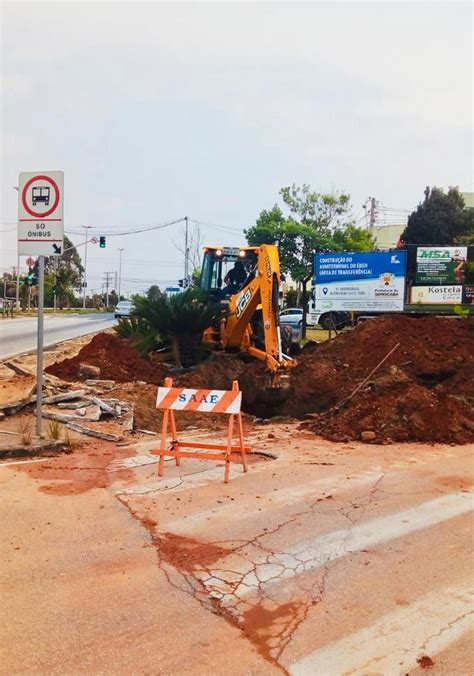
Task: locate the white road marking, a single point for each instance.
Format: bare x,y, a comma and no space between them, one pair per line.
282,495
392,645
258,569
130,463
192,480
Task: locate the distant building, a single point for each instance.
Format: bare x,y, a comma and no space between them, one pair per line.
468,198
386,236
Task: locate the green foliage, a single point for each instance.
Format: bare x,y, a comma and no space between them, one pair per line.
461,311
154,292
316,222
440,220
196,277
180,319
113,298
67,271
291,299
322,211
352,238
143,336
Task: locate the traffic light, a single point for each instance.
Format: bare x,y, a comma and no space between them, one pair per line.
102,242
183,283
32,276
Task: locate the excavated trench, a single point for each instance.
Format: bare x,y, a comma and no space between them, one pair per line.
423,392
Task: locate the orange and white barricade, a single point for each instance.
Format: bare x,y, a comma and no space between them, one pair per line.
227,402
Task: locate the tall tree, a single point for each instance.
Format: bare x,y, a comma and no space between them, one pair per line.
154,293
316,222
440,220
67,271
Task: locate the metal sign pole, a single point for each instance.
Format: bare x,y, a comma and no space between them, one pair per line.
39,355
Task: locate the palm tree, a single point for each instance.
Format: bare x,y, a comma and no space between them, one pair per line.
181,319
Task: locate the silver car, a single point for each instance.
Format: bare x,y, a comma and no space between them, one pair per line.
123,309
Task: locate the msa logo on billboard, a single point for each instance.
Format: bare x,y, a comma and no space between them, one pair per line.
439,253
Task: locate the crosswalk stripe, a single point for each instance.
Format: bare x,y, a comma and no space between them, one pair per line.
291,494
259,569
392,645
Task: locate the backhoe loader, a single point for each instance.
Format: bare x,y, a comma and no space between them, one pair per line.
247,279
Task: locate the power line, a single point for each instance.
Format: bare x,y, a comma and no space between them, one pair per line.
215,226
116,232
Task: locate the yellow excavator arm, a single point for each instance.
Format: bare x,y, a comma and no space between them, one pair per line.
252,324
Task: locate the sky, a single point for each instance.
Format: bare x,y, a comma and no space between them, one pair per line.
156,111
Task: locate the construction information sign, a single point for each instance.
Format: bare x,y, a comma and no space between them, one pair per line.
40,213
441,265
360,282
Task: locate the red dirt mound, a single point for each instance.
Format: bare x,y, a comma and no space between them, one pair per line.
115,357
423,392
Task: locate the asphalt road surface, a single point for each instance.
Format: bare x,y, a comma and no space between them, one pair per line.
18,336
331,559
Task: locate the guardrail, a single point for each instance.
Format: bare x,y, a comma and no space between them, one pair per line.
7,307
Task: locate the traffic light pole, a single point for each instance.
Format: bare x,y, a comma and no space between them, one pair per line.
39,352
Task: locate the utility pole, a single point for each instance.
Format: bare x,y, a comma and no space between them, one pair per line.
107,284
186,252
370,208
373,213
86,228
120,273
15,187
18,283
115,281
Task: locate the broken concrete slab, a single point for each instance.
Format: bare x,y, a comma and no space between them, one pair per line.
104,406
127,417
64,396
15,393
72,405
19,370
106,384
88,371
36,448
92,415
90,432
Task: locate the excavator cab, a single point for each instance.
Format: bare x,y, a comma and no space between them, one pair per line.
247,280
226,270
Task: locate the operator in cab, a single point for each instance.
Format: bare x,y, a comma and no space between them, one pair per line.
234,279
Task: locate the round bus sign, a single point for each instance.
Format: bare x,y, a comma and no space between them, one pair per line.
40,213
40,196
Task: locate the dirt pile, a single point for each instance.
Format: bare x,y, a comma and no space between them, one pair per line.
423,392
115,357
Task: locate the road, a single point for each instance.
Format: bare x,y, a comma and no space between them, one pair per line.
18,336
330,559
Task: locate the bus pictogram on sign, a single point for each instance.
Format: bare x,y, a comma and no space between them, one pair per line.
40,213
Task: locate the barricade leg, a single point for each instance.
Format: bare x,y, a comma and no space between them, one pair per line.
164,430
230,434
174,437
240,428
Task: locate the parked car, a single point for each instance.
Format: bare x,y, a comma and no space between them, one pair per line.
293,316
123,309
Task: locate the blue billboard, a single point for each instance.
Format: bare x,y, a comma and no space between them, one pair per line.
362,281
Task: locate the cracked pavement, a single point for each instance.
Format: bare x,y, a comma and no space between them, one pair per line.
330,559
